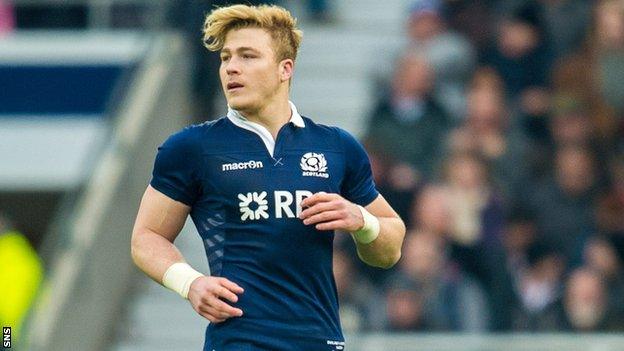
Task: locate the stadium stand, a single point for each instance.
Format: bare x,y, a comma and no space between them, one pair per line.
93,217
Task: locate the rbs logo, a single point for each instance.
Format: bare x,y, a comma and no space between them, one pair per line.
254,206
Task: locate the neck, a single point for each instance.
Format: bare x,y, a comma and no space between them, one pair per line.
272,116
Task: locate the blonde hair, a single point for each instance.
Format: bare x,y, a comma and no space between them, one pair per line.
277,21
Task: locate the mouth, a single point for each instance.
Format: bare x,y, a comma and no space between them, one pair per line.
233,86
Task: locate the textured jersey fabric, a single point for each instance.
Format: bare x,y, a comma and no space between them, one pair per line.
245,202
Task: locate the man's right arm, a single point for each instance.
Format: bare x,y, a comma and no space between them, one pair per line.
158,223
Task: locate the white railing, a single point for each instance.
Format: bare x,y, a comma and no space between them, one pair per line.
486,342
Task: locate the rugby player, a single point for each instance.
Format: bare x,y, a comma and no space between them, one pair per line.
266,188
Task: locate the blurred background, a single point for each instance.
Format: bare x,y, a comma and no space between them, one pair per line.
494,128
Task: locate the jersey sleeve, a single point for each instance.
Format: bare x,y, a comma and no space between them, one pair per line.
358,185
176,172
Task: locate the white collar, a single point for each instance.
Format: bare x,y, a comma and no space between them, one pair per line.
239,120
295,117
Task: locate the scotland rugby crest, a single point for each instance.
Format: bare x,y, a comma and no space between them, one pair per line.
314,165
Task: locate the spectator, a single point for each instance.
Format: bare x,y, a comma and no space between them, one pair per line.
475,230
353,294
601,257
609,29
431,210
475,210
570,123
563,203
473,18
488,131
586,306
450,301
519,235
451,56
610,208
594,72
404,306
402,183
522,57
397,181
539,291
408,126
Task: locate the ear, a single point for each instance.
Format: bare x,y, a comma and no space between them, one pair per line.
286,68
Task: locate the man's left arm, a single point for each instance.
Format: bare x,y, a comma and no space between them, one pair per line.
377,229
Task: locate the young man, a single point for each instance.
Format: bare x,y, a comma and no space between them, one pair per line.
266,189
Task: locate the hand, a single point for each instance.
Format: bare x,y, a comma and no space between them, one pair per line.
331,212
205,294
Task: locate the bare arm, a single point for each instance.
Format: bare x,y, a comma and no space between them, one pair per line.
158,223
385,251
333,212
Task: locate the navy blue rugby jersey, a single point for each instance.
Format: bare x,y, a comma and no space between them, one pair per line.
245,191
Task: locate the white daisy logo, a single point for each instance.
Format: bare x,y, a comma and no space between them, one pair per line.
315,165
261,206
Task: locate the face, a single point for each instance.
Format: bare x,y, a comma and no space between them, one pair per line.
466,173
517,39
574,170
518,236
413,77
585,300
485,109
424,26
404,309
431,210
610,24
571,128
601,256
548,269
423,258
251,76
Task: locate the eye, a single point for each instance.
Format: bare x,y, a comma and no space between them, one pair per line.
248,56
224,58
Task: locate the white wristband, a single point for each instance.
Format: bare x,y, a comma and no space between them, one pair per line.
370,231
179,277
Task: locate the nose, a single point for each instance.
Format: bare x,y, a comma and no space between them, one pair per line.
232,66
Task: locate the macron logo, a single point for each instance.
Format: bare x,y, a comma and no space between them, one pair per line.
241,165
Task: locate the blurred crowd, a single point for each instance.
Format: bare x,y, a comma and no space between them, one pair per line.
498,139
